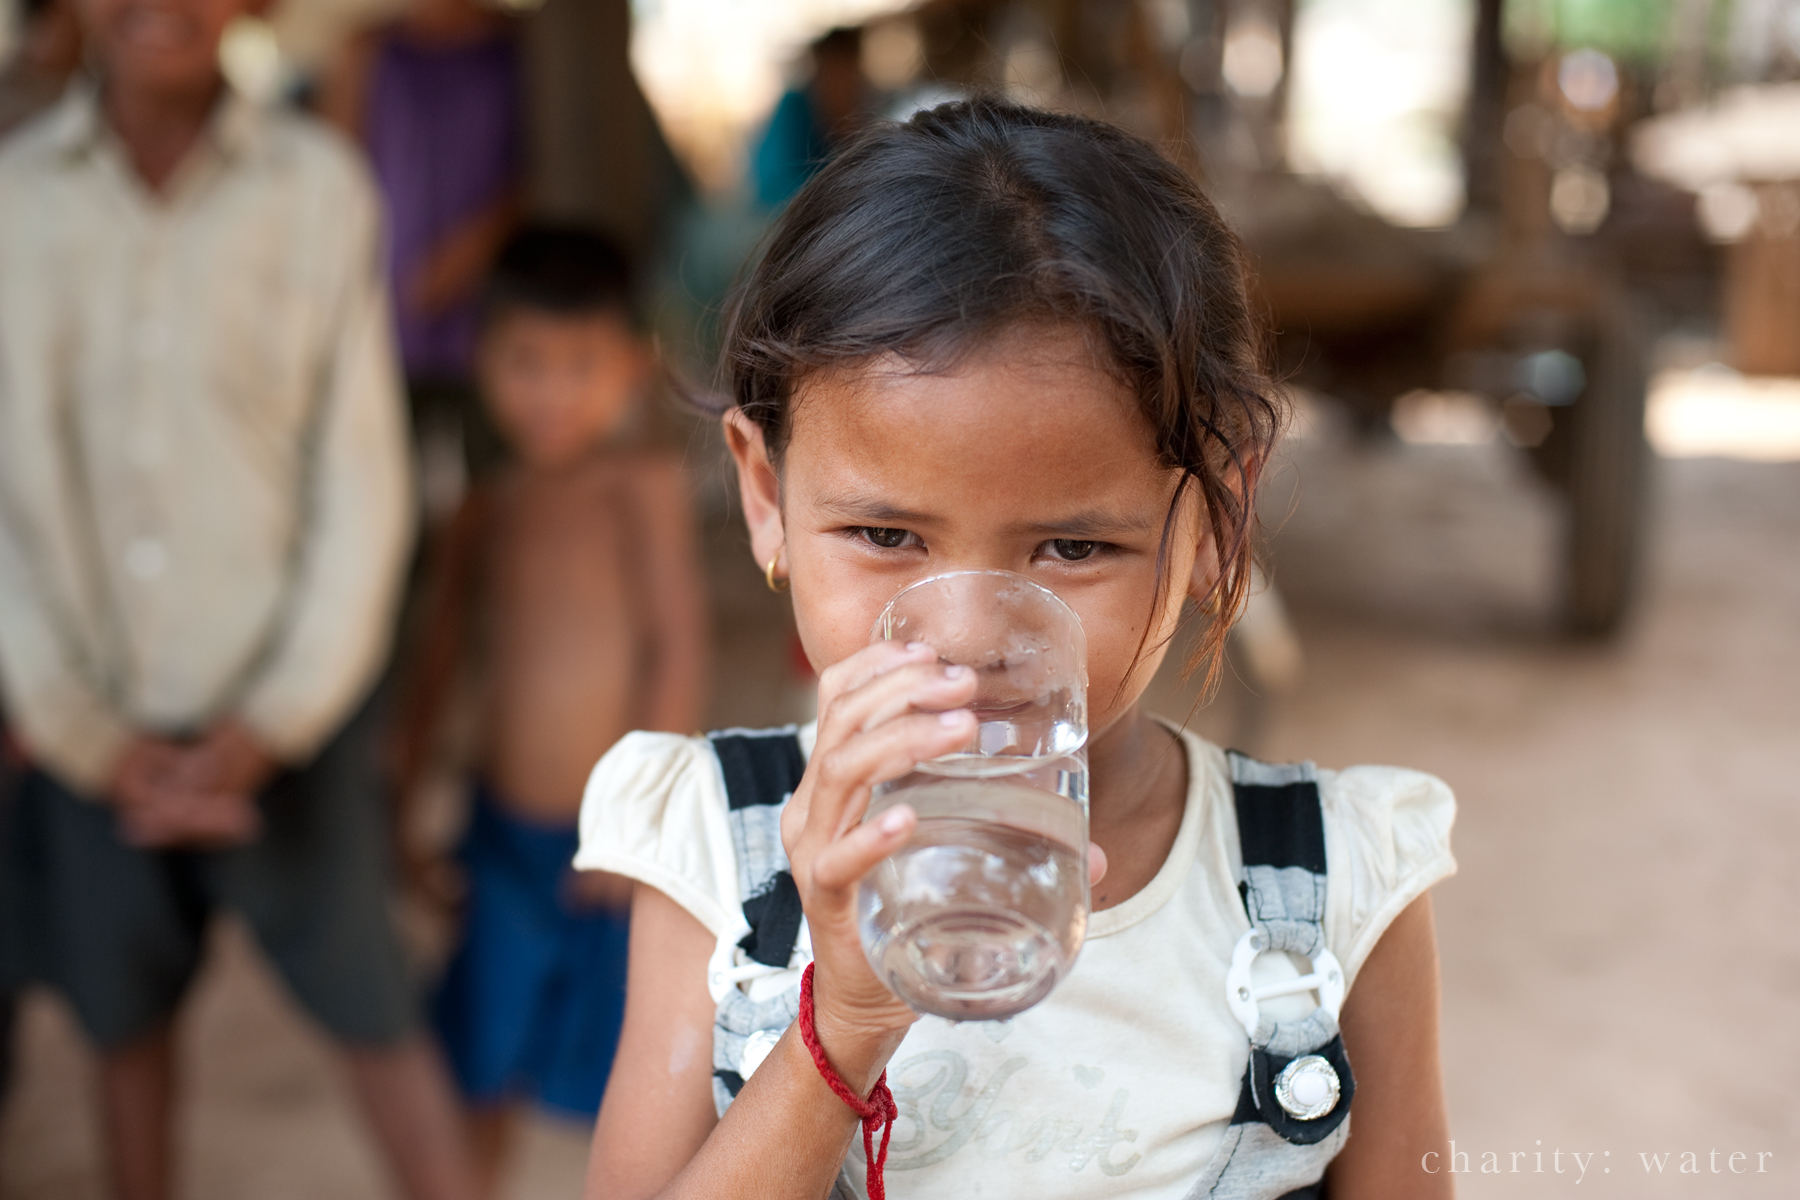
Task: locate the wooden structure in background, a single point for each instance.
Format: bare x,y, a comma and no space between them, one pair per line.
597,155
1762,285
1366,311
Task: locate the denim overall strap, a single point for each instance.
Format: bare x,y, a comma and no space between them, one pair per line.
754,974
1294,1103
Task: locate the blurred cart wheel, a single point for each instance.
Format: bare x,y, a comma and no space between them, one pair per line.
1608,475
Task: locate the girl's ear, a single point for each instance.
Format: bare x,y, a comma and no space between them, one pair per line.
759,487
1208,572
1203,576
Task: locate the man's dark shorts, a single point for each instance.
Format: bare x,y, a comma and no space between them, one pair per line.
120,931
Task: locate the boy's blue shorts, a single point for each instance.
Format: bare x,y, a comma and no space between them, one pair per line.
531,1004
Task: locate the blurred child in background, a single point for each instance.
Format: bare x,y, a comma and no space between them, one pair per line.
569,582
436,98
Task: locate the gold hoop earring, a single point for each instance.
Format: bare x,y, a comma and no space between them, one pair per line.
776,584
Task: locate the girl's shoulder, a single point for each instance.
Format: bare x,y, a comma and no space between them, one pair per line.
1387,841
655,810
1396,818
1400,818
1386,832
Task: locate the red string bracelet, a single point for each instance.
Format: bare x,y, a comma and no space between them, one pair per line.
877,1112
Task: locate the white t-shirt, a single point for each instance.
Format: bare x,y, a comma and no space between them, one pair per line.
1121,1083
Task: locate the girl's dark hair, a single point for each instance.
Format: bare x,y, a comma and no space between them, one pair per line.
926,238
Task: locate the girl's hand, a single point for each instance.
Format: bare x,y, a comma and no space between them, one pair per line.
882,711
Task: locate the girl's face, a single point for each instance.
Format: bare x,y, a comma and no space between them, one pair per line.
1029,457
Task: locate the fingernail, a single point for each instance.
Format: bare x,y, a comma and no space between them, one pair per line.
915,647
955,671
953,718
892,821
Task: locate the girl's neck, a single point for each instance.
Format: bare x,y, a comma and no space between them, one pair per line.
1137,788
1126,759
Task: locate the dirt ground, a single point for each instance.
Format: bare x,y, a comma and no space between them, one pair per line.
1619,956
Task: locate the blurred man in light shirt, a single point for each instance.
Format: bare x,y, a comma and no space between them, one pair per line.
204,518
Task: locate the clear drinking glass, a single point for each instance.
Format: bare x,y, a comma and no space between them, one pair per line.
984,908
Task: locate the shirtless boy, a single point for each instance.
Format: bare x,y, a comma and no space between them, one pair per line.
569,583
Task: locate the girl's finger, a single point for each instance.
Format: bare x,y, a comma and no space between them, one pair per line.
846,772
841,865
911,686
939,689
1096,864
877,658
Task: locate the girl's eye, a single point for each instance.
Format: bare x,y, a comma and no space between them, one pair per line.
887,539
1070,550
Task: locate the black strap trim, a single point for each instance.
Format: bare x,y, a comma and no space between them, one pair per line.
774,919
758,768
1281,825
1246,1112
1256,1096
763,769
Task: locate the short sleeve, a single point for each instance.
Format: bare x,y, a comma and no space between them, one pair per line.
655,811
1387,840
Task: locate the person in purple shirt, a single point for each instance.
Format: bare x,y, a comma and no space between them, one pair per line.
436,97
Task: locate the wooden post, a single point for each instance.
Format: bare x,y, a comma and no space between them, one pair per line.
597,155
1762,286
1484,116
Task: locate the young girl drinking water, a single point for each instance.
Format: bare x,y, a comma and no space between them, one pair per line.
995,338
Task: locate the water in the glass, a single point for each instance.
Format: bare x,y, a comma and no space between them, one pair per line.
985,907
